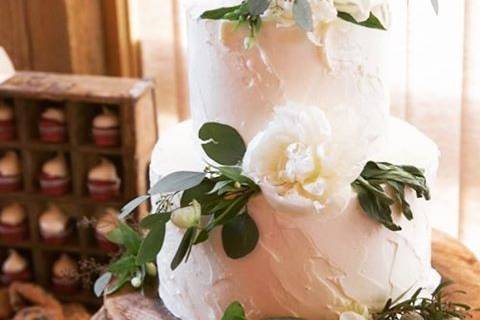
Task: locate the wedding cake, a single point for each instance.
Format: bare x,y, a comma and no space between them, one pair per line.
308,95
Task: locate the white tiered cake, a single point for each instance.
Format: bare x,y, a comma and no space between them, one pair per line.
318,254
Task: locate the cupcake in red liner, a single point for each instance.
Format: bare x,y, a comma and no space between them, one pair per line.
54,226
106,129
103,181
55,177
107,222
15,268
53,126
13,223
65,276
10,172
7,123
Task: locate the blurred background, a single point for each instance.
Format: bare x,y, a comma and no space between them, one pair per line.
435,73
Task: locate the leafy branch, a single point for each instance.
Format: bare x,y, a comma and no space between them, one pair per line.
374,198
425,308
216,197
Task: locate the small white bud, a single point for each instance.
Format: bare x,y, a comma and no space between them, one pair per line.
412,316
249,42
187,217
151,269
136,282
237,185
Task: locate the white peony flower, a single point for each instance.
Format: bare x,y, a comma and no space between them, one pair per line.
301,162
354,311
187,217
360,9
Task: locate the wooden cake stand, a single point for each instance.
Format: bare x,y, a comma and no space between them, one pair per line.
451,258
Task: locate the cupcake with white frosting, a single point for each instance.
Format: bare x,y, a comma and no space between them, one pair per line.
55,176
107,222
106,129
53,126
13,223
65,275
10,172
54,226
7,122
15,268
103,181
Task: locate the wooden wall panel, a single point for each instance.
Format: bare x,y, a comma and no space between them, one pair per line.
13,32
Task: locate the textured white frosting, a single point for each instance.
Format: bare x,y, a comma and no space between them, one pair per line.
239,87
306,264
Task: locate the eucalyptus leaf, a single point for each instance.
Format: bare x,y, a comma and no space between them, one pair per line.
152,220
126,263
436,6
239,236
183,248
257,7
130,238
177,181
222,143
234,312
220,13
118,283
372,22
200,193
302,13
152,244
132,205
101,283
115,236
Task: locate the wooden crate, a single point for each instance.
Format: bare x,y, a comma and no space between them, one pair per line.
82,97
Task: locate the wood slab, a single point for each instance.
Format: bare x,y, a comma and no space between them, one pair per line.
450,258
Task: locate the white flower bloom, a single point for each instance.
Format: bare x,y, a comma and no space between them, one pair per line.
188,216
301,163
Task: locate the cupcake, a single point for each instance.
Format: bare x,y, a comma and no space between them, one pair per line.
53,126
103,181
15,268
7,123
105,129
54,226
10,172
13,223
55,177
65,276
107,222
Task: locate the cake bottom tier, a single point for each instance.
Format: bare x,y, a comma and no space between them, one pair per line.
311,266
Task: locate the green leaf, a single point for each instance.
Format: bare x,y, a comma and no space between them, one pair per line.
183,248
115,236
234,312
152,220
101,283
222,143
177,181
118,283
201,193
436,6
234,208
302,13
126,263
220,13
132,205
257,7
239,236
130,238
372,21
152,244
235,173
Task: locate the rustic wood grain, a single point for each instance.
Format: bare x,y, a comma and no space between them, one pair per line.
451,259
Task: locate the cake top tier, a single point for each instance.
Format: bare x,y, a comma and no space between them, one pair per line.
337,66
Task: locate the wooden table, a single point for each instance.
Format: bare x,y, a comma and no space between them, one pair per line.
451,258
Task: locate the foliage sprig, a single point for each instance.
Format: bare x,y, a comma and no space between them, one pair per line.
377,201
199,202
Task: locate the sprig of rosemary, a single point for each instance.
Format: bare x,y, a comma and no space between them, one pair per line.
216,197
425,308
374,198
